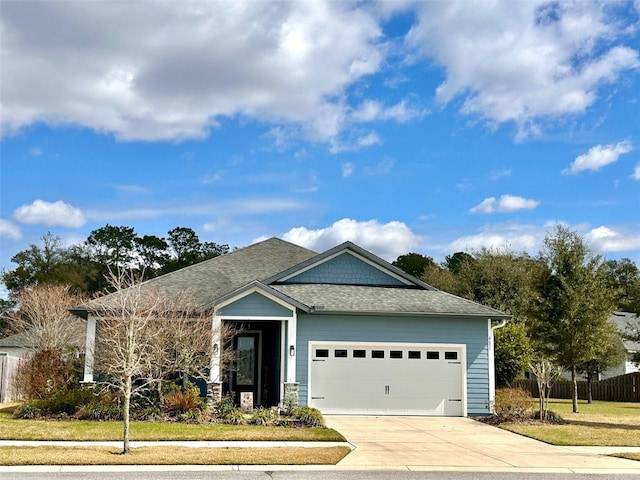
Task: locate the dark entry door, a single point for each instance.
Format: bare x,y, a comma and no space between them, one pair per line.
247,363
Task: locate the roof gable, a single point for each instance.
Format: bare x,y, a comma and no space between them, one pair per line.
348,264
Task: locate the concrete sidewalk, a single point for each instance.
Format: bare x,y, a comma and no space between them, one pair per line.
436,443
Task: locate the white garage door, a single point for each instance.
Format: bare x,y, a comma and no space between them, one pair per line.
387,378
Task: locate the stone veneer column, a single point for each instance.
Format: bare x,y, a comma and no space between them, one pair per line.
214,393
291,394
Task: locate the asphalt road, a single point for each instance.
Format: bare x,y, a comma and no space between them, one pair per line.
306,475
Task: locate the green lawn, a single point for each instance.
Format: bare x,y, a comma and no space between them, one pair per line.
597,424
83,430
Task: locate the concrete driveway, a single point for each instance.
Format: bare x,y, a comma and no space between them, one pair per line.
436,443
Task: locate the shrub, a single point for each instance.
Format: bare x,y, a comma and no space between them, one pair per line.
151,414
28,410
309,416
550,417
66,401
263,416
44,372
183,400
234,416
224,405
99,411
512,404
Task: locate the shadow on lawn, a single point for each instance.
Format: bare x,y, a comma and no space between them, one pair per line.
582,423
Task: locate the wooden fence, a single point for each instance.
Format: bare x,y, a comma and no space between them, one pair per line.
624,388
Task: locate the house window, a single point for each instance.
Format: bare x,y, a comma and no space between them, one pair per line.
433,355
340,354
359,354
450,355
322,353
414,354
377,353
395,354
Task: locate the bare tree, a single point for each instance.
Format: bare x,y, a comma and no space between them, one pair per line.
125,321
52,335
43,317
143,336
182,345
546,375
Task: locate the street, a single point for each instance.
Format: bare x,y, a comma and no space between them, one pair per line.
303,475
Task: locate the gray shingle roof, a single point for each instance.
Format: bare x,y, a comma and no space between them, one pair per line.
18,340
622,320
207,281
378,300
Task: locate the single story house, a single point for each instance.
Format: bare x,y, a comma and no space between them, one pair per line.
343,331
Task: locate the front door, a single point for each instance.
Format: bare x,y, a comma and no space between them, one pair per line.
247,366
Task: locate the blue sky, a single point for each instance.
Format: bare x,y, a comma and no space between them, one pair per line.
429,127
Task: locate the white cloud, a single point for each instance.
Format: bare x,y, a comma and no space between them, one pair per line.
372,111
50,214
381,168
369,140
347,169
512,236
170,71
388,240
598,157
9,230
522,62
606,239
636,171
506,203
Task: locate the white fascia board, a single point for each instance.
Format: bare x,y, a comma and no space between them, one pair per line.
261,291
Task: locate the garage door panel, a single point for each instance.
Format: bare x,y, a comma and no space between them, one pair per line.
412,379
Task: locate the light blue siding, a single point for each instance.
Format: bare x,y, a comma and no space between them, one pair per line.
470,332
345,269
255,305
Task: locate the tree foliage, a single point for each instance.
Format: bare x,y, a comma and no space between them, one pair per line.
572,304
414,264
85,266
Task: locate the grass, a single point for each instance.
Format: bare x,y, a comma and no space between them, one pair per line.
597,424
84,430
171,456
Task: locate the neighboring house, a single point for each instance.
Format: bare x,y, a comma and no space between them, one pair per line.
622,320
12,348
15,347
344,331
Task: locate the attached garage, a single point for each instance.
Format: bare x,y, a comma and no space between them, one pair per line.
387,378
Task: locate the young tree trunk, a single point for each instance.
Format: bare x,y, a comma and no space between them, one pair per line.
574,380
589,393
125,414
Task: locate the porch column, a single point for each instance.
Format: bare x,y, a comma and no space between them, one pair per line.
214,386
290,398
292,332
89,347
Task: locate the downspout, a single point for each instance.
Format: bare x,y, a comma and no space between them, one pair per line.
492,365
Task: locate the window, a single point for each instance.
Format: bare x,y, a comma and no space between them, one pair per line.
414,354
377,353
359,354
450,355
395,354
322,353
433,355
340,354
